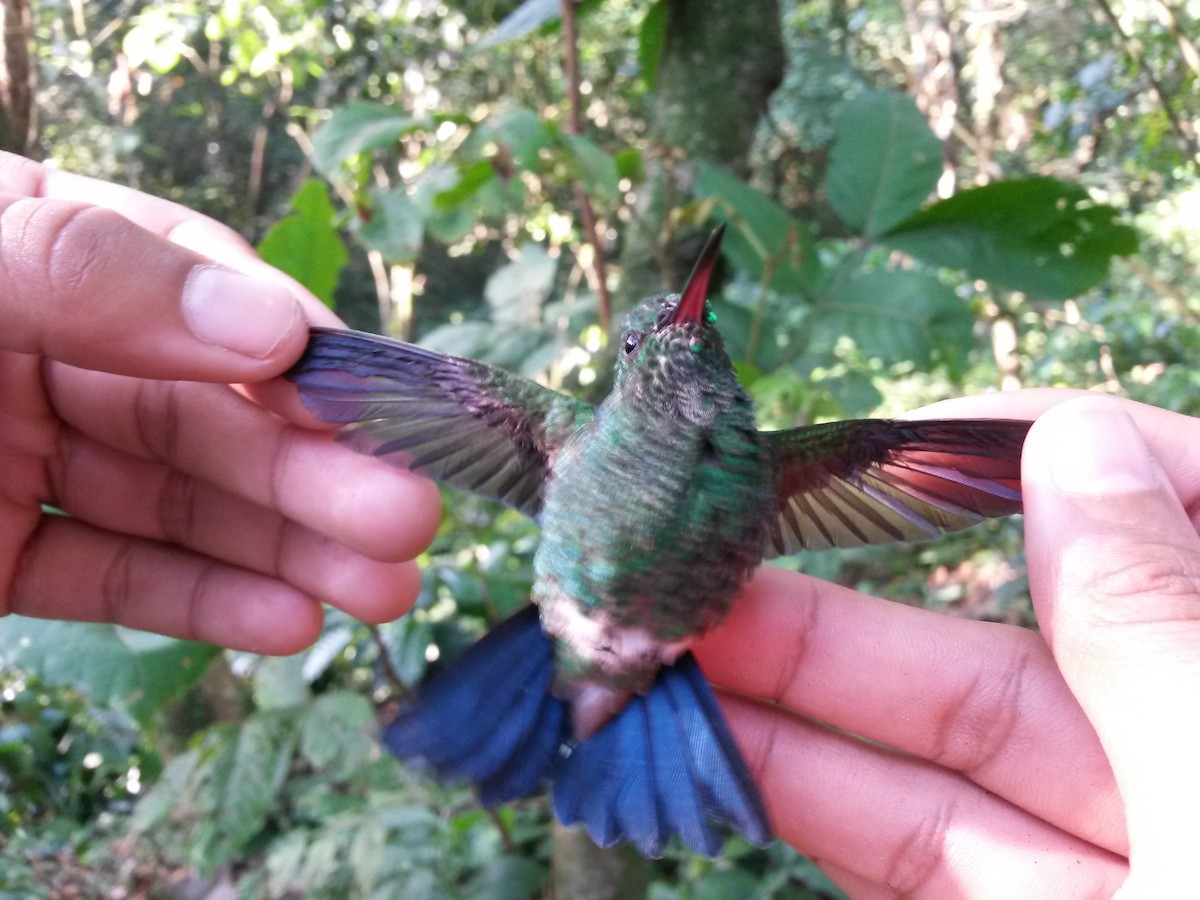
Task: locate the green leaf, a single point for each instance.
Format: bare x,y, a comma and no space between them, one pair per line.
594,168
528,17
894,316
631,165
279,682
239,783
359,127
134,671
333,733
508,878
520,134
884,161
470,179
1039,235
395,227
305,243
764,235
651,36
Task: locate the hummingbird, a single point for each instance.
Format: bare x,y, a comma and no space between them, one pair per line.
655,506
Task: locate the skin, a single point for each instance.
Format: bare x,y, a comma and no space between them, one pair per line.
1052,764
195,512
1059,764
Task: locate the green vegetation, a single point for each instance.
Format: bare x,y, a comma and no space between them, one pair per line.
924,206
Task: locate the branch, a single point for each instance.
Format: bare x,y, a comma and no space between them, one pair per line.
587,215
1133,48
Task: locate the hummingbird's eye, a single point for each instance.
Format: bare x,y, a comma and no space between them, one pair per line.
633,340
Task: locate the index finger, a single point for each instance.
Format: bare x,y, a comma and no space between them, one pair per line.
178,224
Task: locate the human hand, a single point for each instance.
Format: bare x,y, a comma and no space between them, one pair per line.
1059,764
193,511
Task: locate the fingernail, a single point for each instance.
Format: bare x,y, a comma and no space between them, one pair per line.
243,314
1099,450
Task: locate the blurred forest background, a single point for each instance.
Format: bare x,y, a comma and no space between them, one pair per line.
925,198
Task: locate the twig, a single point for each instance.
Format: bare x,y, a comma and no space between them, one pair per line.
510,846
1133,48
587,215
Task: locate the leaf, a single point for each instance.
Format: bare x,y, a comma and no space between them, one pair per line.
764,236
508,878
1039,235
305,244
395,227
528,17
894,316
631,165
333,733
359,127
884,161
239,783
520,134
134,671
594,168
652,35
279,682
516,291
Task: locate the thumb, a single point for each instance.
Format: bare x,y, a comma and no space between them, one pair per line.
86,286
1114,568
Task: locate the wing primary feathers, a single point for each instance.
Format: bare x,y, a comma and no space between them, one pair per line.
875,480
459,421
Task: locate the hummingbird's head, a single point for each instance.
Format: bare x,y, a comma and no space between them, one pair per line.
670,346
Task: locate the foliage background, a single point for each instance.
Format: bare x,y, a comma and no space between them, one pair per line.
499,182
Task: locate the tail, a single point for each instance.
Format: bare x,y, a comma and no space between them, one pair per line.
665,765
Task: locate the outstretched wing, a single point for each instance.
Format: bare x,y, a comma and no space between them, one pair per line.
461,422
875,481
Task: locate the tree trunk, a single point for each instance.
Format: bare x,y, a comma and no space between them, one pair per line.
16,77
721,60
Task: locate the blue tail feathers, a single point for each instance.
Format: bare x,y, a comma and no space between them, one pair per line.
665,765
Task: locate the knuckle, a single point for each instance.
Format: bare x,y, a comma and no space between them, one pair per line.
1162,570
974,727
920,852
116,582
158,419
56,245
177,508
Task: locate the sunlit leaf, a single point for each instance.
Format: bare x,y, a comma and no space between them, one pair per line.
1039,235
305,243
884,161
334,732
764,237
134,671
651,36
894,316
359,127
395,227
594,168
528,17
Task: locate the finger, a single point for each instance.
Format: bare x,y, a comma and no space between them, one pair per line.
214,434
903,824
979,698
76,572
1114,565
180,225
66,292
122,494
